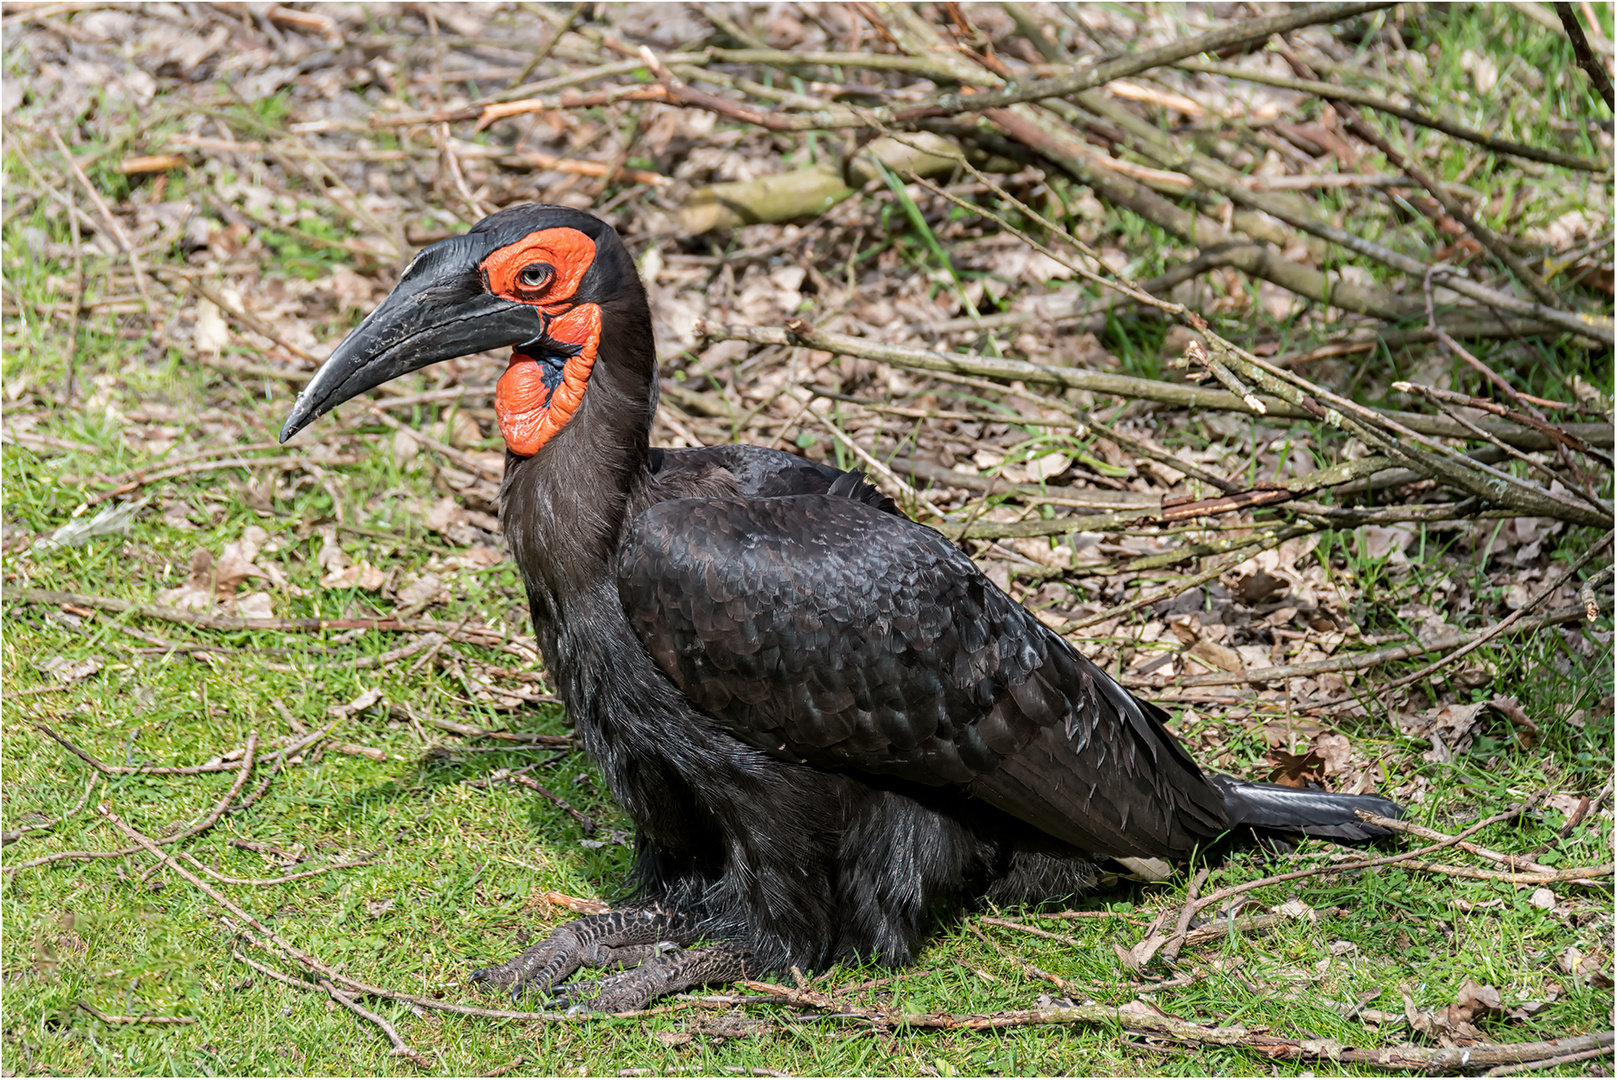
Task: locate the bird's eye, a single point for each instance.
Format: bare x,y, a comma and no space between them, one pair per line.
534,275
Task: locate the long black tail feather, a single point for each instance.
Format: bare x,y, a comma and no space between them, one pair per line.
1304,810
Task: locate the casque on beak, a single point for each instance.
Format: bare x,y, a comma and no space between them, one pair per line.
441,309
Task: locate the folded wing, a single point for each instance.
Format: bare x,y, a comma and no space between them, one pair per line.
822,630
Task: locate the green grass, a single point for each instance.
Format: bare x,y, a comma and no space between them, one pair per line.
462,870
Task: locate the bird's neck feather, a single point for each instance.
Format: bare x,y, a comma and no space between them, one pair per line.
564,508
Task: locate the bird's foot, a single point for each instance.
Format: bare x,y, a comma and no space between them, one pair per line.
614,939
667,973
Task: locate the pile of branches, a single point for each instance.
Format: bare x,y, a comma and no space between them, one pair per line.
964,117
947,107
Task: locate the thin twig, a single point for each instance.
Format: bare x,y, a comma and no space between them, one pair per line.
1394,1058
1048,935
78,304
1537,423
1586,875
895,485
1380,104
400,1047
260,882
1264,541
1572,822
1170,950
218,765
248,759
1504,624
246,319
472,635
1352,662
1219,178
1550,1062
1580,48
198,468
544,51
1387,433
1510,862
1363,864
1537,466
263,786
1242,32
218,897
585,822
1485,236
1037,972
464,460
1191,397
144,1018
115,230
1533,419
16,834
186,459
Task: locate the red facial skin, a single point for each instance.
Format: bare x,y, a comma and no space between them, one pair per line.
529,412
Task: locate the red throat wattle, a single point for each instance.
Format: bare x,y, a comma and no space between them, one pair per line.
529,412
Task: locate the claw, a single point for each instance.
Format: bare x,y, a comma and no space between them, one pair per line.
635,942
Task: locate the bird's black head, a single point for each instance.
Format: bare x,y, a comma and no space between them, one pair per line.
531,277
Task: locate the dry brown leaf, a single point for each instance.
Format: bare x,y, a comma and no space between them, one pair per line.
1381,542
460,431
235,563
361,575
256,605
576,903
1593,967
177,515
1526,730
331,556
1219,656
1296,909
197,592
424,588
1335,751
212,333
354,292
1294,770
1567,804
1049,465
1450,728
1475,1001
1260,586
70,671
405,447
479,555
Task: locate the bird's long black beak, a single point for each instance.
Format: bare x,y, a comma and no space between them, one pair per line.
440,309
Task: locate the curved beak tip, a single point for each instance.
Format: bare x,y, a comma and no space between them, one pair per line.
296,420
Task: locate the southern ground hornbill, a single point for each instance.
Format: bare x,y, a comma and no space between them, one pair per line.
829,727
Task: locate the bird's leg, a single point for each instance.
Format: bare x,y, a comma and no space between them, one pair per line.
669,973
613,939
625,956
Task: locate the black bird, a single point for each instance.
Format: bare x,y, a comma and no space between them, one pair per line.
829,727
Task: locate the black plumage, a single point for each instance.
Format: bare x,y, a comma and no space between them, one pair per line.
829,728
